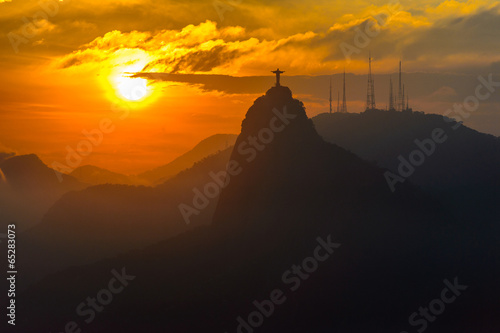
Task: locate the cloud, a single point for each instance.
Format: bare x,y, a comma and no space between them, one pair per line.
467,39
444,93
220,83
444,37
193,49
304,41
441,87
450,8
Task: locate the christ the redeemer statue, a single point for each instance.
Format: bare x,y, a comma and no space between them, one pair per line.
277,72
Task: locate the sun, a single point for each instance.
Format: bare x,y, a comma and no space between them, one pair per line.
123,87
122,82
132,89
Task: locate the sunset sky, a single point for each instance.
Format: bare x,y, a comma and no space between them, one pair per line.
81,61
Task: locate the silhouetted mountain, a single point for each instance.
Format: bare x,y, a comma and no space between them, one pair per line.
98,176
291,195
5,155
29,172
103,221
203,149
32,187
463,171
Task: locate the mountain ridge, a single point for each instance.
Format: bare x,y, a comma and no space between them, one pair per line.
28,182
204,148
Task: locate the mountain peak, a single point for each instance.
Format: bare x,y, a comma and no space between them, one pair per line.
276,118
29,171
21,163
279,92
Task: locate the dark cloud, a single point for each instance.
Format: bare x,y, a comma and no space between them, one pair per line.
451,87
222,83
473,34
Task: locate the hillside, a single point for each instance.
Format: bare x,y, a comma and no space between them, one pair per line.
462,171
98,176
30,189
206,147
105,220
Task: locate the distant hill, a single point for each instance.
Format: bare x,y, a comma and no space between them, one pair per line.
463,171
28,172
30,188
290,195
97,176
105,220
203,149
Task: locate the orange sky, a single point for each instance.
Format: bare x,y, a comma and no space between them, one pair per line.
70,70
